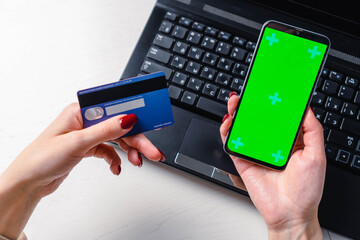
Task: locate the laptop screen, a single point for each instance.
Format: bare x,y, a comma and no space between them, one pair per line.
339,15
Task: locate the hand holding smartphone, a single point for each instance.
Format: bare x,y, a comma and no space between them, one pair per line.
277,91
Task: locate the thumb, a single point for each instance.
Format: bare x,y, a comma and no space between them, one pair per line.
110,129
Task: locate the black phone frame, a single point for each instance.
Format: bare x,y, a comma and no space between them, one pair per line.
296,31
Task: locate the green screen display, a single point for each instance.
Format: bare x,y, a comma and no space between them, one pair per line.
279,86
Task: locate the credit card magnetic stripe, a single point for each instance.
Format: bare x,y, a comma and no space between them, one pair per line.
121,89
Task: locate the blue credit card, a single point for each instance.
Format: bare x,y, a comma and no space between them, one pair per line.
146,96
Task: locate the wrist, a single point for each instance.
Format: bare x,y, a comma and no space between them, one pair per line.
301,229
17,201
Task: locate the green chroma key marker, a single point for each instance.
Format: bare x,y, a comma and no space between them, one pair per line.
314,52
275,97
277,156
237,143
272,39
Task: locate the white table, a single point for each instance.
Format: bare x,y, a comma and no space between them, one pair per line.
48,51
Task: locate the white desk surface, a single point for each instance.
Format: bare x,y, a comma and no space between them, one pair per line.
48,51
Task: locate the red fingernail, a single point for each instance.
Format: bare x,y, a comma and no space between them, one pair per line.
128,121
163,157
232,94
140,160
119,170
225,117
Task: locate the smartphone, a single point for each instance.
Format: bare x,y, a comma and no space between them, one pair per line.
277,91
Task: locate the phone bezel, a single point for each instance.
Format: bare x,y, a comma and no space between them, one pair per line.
296,31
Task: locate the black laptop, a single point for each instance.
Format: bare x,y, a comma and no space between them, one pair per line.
205,47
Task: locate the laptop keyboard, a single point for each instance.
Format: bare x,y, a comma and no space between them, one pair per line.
204,64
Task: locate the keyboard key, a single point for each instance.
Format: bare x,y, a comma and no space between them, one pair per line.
210,58
210,89
318,98
180,47
330,151
151,67
211,106
319,83
223,48
346,92
194,37
356,161
325,131
238,53
350,126
208,73
193,67
358,146
174,92
239,41
336,76
223,78
188,98
357,97
343,156
330,87
325,72
249,58
240,69
195,53
179,32
211,31
180,78
171,16
178,62
195,84
198,26
352,82
341,138
237,84
159,55
224,36
225,64
250,45
163,41
185,21
208,42
319,113
333,104
223,95
349,109
166,27
332,119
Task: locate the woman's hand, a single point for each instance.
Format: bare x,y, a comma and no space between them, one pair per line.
287,200
46,162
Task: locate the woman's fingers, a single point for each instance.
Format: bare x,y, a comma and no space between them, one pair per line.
313,131
313,137
139,143
105,131
232,104
109,154
135,157
224,128
143,145
227,120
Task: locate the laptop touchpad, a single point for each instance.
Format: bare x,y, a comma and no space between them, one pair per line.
202,142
